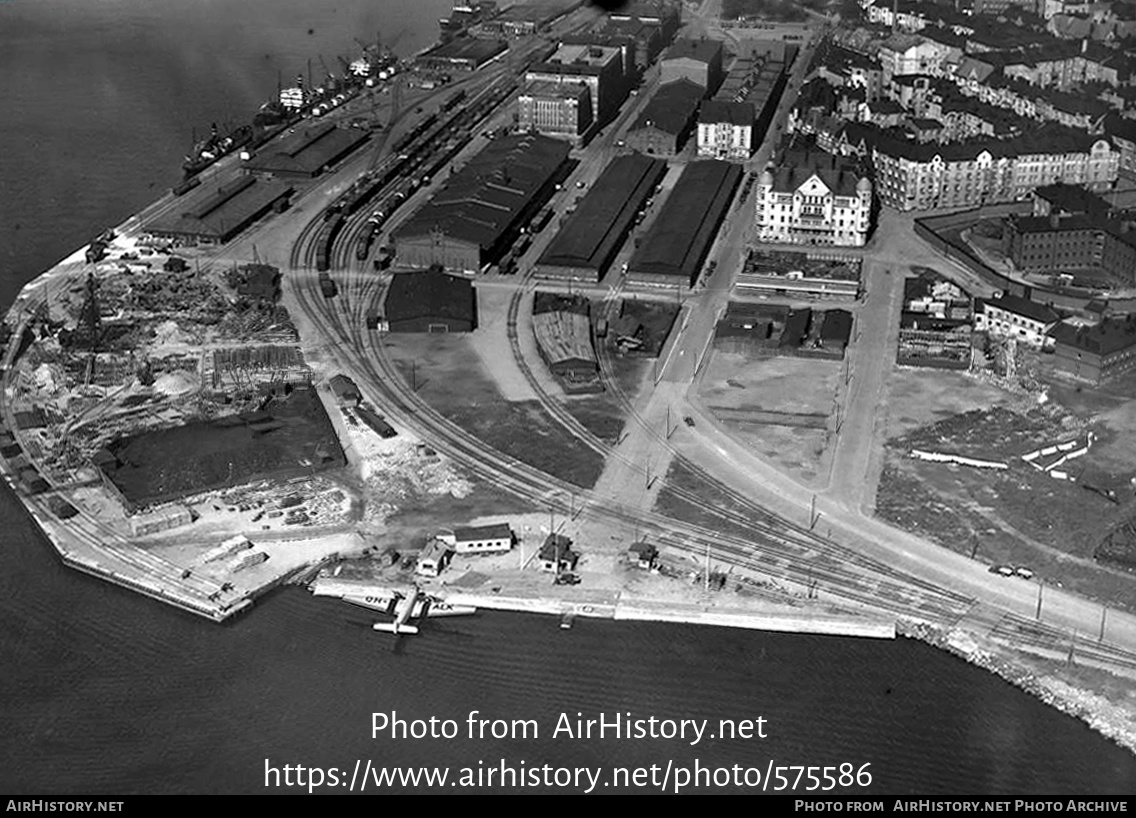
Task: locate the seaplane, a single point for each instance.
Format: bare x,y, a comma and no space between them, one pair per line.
404,606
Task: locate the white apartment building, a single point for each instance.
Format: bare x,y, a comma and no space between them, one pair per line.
814,200
725,130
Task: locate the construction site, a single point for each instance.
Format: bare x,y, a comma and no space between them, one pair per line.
159,406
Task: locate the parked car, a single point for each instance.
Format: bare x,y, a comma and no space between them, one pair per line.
567,579
1023,572
688,420
1002,570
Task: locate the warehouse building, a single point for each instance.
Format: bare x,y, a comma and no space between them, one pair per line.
699,61
215,213
462,54
667,121
589,241
524,19
307,152
564,340
431,301
674,249
471,221
556,109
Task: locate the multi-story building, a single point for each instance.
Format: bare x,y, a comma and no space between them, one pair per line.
725,130
699,61
1098,353
1012,316
1122,132
556,109
1058,243
914,176
600,67
914,54
814,199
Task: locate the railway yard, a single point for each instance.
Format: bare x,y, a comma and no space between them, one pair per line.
205,420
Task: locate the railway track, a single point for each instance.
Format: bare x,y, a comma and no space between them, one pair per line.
381,376
792,542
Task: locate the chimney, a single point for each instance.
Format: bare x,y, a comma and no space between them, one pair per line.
1054,219
1084,45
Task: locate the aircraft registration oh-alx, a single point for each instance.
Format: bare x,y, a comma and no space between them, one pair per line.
404,606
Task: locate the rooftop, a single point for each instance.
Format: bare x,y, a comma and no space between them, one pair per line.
671,108
564,336
684,229
701,50
1024,307
1111,335
589,236
736,113
221,210
497,531
430,294
481,201
839,176
306,151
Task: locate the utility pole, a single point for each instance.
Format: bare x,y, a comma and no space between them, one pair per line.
706,574
812,511
974,550
1037,615
1104,615
414,375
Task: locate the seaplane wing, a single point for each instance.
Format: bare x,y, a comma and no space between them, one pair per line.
376,602
439,608
415,606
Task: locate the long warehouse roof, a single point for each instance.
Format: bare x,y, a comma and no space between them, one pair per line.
588,237
686,226
480,202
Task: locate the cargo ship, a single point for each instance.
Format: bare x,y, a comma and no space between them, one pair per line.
214,146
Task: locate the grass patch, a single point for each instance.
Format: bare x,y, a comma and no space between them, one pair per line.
450,377
601,416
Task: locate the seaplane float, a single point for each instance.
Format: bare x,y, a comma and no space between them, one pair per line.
407,605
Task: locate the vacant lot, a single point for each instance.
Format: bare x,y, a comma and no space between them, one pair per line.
449,376
917,397
1019,515
781,10
779,407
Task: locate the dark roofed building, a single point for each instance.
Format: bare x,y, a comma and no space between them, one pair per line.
1062,198
1096,354
307,152
462,54
217,212
836,330
588,242
556,555
699,61
431,302
476,215
673,251
345,390
667,120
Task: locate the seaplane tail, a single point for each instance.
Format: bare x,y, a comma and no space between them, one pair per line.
395,628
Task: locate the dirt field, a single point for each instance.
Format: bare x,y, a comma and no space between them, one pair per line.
1020,515
779,407
450,377
920,396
